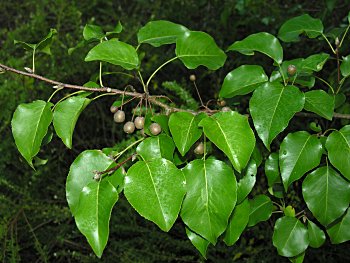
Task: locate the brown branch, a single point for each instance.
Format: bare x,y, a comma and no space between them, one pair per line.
115,168
313,115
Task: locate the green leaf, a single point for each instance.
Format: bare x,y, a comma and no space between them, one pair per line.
237,223
320,102
326,194
231,133
272,106
242,80
65,117
81,173
260,209
316,235
314,62
290,236
156,189
293,28
114,52
162,120
299,153
184,129
161,32
345,66
338,147
118,28
272,171
247,182
297,259
339,232
195,48
30,123
210,199
93,32
95,207
157,147
200,243
261,42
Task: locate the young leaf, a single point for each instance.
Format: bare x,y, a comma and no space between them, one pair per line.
272,170
320,102
114,52
261,42
272,106
345,66
339,232
95,207
316,235
156,189
210,199
326,194
338,147
299,153
231,133
195,48
30,123
290,236
161,32
247,182
237,223
157,147
65,117
242,80
292,28
199,242
93,32
184,129
260,209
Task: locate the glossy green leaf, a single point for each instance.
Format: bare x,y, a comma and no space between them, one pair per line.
92,217
93,32
340,232
196,48
261,42
314,62
65,117
299,153
156,189
293,28
242,80
200,243
272,170
289,211
247,182
338,147
30,123
272,106
81,173
320,102
257,155
316,235
237,223
114,52
157,147
161,32
210,199
184,129
326,194
260,209
231,133
345,66
290,236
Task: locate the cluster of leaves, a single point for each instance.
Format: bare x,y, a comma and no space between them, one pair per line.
210,196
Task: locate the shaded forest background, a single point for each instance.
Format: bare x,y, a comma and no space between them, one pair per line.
35,222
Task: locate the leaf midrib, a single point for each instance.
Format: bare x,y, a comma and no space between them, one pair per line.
36,130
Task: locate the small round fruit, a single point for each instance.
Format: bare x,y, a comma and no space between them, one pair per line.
113,109
139,122
199,148
226,109
119,116
155,128
192,77
291,70
129,127
221,103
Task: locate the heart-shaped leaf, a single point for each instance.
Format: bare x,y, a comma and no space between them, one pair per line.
30,123
272,106
196,48
155,189
316,235
247,182
260,209
272,170
293,28
339,232
157,147
242,80
231,133
114,52
345,66
320,102
326,194
299,153
200,243
261,42
210,199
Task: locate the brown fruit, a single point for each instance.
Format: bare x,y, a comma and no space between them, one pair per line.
193,77
113,109
155,128
291,70
119,116
221,103
129,127
139,122
199,148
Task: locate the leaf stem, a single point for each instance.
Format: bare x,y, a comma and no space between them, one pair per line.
329,44
100,75
33,60
165,63
145,88
342,39
53,94
102,95
325,82
127,148
284,79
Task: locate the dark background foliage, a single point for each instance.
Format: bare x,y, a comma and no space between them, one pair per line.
35,222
